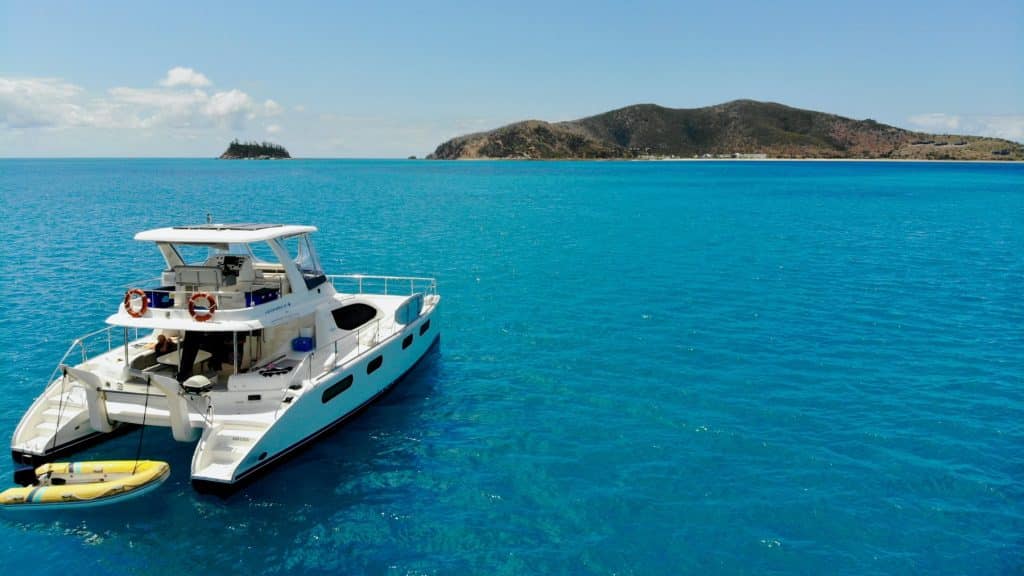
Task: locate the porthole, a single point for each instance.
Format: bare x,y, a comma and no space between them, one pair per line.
374,364
336,388
407,342
424,327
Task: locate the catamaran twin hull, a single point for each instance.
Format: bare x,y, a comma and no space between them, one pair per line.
251,356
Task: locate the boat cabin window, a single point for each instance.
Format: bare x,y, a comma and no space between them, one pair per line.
231,267
300,248
193,254
353,316
259,252
374,364
335,389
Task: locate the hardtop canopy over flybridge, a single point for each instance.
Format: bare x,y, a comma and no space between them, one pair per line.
242,339
240,266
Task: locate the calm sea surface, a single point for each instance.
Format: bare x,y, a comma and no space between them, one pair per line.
645,368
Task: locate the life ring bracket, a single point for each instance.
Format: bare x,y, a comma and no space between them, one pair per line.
210,304
130,308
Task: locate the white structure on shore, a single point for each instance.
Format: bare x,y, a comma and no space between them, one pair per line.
734,155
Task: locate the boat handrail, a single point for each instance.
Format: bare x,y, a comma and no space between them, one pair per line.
112,334
414,281
155,280
161,297
226,299
330,349
364,282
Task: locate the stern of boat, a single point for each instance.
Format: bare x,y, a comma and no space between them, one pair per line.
57,422
222,450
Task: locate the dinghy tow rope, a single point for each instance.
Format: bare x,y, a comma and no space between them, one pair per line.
142,432
60,406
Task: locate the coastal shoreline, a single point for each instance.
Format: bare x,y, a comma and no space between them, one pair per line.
900,160
738,160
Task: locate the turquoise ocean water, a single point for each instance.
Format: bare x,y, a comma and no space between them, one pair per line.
645,368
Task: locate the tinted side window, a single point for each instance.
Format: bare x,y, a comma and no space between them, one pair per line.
425,327
335,389
353,316
407,342
374,364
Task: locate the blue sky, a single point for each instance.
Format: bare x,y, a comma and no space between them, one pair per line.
390,79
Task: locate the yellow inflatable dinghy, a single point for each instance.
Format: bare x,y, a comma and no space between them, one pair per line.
82,484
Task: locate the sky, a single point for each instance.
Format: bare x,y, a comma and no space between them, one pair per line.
393,79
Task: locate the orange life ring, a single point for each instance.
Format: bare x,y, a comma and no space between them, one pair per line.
211,306
128,302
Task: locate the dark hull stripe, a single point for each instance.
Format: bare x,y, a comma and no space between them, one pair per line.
70,447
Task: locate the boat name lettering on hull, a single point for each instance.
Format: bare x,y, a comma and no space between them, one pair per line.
278,308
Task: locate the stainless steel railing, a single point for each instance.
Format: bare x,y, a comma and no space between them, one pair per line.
388,285
328,357
92,345
234,299
365,338
158,296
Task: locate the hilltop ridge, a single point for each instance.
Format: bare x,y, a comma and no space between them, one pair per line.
739,127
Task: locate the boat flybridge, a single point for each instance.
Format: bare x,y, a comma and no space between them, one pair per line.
242,343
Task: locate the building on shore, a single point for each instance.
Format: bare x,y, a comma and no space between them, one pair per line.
734,155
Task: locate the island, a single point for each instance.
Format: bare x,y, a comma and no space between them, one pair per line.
746,129
254,151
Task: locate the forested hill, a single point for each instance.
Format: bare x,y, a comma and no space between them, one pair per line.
254,150
740,127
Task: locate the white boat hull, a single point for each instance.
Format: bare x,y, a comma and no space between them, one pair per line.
233,446
310,418
252,351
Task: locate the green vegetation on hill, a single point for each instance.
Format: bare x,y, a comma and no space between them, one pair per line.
738,127
258,150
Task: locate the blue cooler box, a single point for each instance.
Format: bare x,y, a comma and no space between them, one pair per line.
302,344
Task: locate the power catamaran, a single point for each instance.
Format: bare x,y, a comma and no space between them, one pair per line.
242,343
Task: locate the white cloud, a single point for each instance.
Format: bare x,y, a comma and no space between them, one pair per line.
935,121
54,104
273,128
157,97
271,108
230,103
1009,126
153,107
180,76
40,102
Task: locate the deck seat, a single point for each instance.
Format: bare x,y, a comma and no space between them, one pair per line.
144,360
192,278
